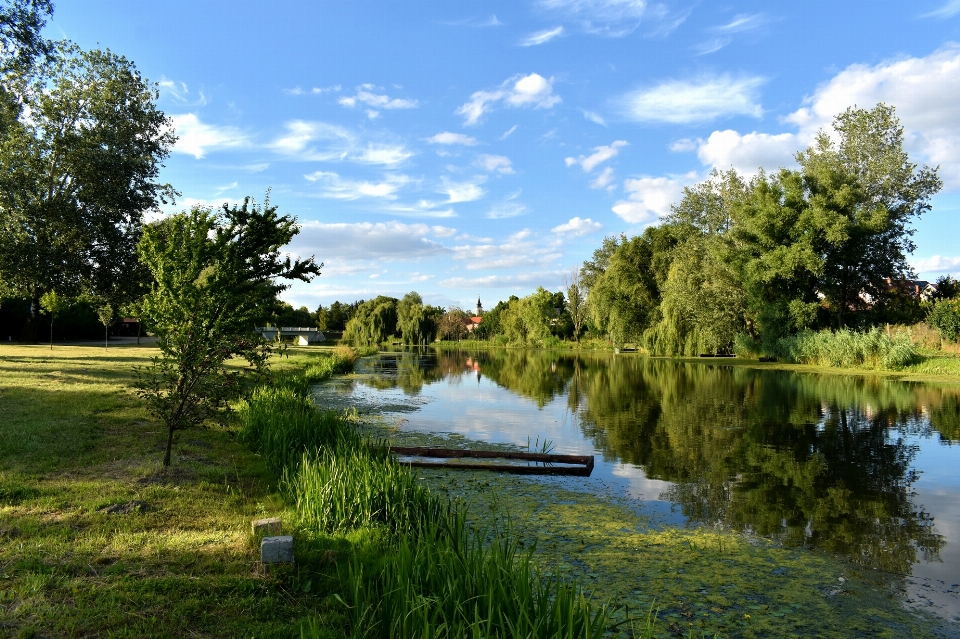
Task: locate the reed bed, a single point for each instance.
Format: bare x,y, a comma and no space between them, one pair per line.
849,349
435,577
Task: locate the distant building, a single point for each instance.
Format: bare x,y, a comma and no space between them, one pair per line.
479,307
917,289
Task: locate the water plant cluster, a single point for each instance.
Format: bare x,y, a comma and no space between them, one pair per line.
431,574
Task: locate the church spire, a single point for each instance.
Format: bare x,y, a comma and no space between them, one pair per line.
479,307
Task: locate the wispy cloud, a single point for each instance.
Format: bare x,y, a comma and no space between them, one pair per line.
712,45
366,96
519,91
179,92
594,117
948,10
604,179
699,100
197,138
495,163
366,241
521,249
335,187
937,264
462,191
508,132
322,142
452,138
742,22
576,227
314,91
604,17
504,210
600,155
541,37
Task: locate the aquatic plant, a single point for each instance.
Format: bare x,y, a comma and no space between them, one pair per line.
849,349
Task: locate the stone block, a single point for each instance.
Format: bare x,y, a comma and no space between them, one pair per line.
277,550
266,527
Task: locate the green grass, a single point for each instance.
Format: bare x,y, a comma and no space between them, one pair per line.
75,441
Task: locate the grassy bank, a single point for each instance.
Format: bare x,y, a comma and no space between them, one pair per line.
97,539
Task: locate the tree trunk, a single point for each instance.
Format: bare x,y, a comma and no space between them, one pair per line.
51,332
166,456
106,336
139,326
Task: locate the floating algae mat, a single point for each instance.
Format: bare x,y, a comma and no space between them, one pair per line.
742,502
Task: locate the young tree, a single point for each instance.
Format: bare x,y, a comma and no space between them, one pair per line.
576,301
453,324
105,313
79,161
53,305
213,275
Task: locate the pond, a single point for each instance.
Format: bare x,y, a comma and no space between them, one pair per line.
863,468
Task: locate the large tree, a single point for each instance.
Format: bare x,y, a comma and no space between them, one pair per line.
79,164
213,275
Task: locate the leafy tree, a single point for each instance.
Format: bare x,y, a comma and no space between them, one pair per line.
592,269
105,314
945,317
78,168
213,273
576,302
418,324
491,324
865,193
53,305
625,297
453,324
947,288
20,40
375,320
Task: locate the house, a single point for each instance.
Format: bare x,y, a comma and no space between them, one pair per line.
917,289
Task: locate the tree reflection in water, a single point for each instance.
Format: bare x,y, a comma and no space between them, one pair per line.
813,460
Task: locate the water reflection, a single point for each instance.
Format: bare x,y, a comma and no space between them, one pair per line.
813,460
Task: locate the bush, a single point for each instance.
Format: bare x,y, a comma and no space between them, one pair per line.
945,317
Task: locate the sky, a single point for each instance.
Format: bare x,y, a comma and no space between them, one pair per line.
482,149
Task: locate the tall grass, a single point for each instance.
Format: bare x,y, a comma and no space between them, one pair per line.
436,578
849,349
452,583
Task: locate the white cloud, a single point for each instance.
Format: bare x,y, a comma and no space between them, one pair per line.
499,163
521,281
505,210
649,198
376,100
322,142
700,100
462,191
948,10
603,180
180,93
314,91
613,18
594,117
387,154
746,153
366,241
197,139
519,91
452,138
711,46
335,187
541,37
521,249
925,91
509,132
742,22
683,145
577,227
600,155
936,264
443,231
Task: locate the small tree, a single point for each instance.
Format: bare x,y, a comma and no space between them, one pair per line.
453,324
213,275
105,313
53,305
576,302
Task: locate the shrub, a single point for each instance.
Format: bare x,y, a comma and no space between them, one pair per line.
945,317
849,349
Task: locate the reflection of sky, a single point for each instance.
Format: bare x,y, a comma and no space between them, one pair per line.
936,585
479,409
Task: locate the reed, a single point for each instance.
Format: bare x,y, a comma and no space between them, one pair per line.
453,581
849,349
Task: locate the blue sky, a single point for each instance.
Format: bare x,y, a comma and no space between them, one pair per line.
465,149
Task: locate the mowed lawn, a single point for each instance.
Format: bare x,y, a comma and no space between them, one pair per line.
97,539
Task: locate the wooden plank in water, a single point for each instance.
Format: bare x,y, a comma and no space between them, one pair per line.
582,465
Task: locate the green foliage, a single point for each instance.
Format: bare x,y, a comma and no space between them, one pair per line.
416,323
849,349
374,321
624,299
213,273
20,40
78,169
947,288
945,317
453,324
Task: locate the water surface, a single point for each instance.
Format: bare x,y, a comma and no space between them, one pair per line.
864,468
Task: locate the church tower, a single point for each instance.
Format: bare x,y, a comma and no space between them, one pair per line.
479,307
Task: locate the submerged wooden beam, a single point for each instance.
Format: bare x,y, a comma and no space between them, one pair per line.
581,465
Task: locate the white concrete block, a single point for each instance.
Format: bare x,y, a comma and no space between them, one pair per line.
266,527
